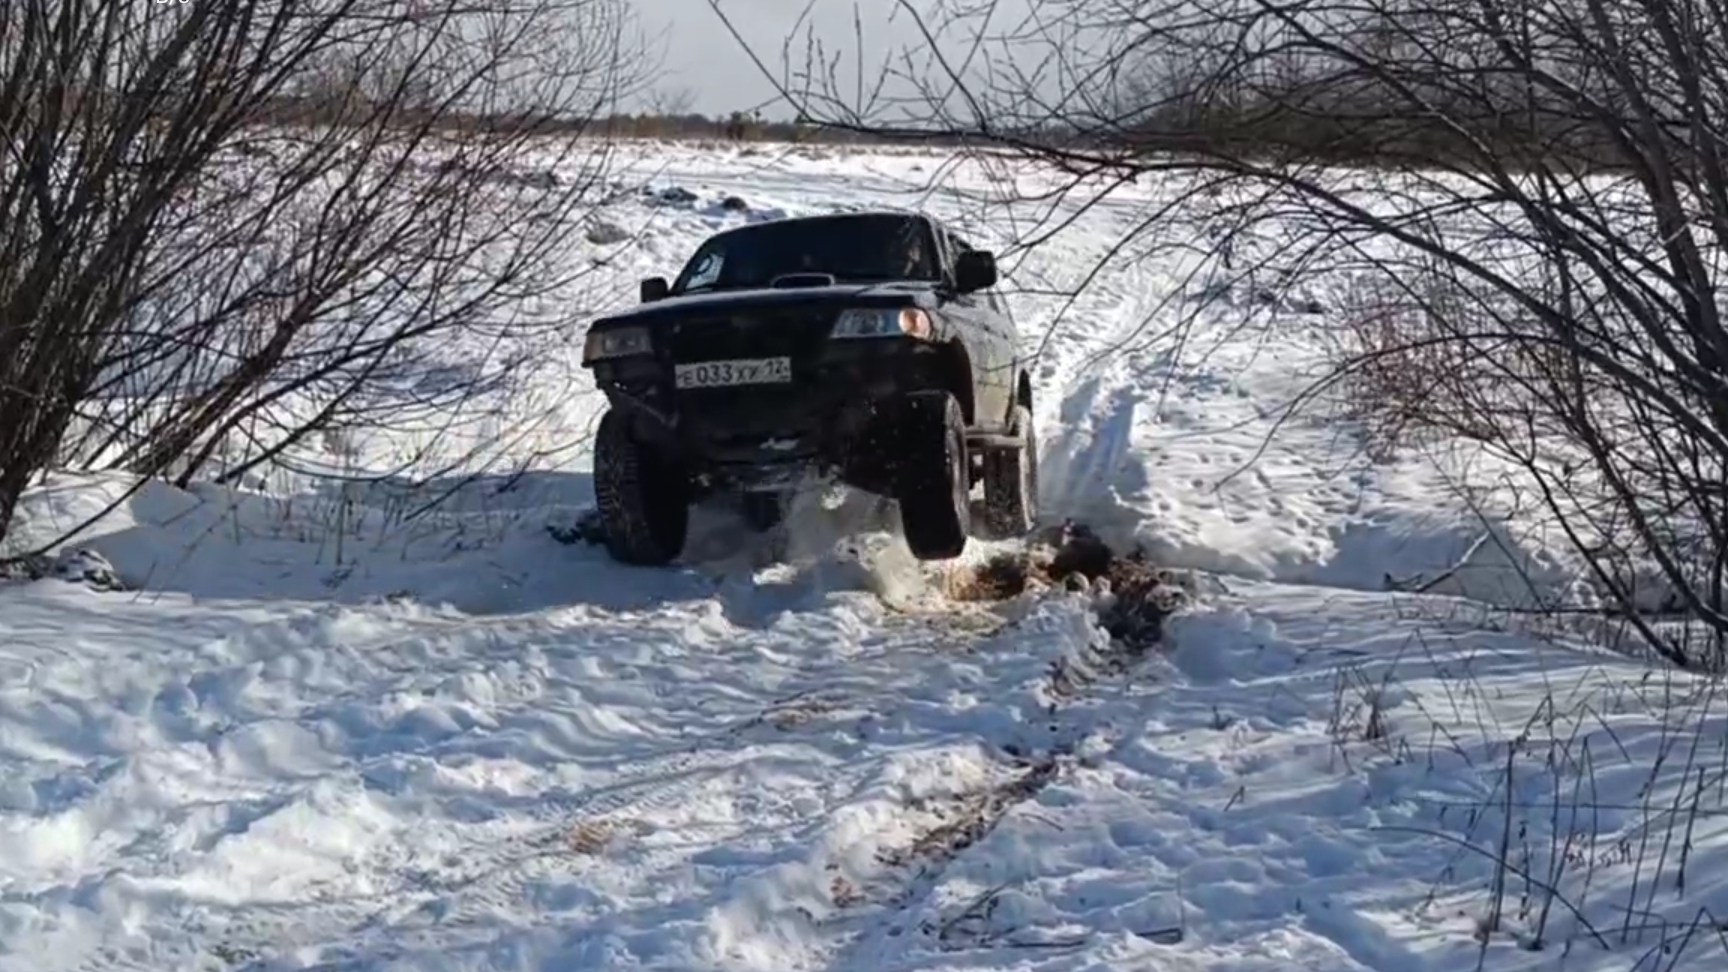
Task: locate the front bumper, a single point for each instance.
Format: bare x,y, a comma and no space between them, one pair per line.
836,404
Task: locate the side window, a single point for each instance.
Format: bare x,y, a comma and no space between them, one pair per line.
705,272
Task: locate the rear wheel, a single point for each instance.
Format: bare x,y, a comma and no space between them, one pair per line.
934,476
644,497
1011,482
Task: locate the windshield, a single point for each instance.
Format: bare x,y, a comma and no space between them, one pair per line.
877,246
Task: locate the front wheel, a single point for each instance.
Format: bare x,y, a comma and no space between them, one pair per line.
1011,482
934,476
644,497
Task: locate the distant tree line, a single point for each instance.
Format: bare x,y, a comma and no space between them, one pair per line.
1268,109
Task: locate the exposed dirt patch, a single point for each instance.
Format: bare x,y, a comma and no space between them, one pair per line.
1132,595
998,579
595,837
969,818
947,826
798,710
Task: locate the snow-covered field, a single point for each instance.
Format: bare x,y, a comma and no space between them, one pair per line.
403,727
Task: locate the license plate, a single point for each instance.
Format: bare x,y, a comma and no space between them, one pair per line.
725,374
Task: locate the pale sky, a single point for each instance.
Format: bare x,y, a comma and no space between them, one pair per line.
703,58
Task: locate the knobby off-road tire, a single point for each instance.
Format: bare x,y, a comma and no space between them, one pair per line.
934,476
1011,483
643,497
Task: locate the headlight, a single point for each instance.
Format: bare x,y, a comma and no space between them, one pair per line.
898,322
616,342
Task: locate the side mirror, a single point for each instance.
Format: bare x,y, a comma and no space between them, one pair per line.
655,288
975,271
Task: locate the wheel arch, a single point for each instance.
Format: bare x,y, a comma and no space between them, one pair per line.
956,375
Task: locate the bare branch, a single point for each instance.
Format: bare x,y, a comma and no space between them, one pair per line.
1522,207
228,228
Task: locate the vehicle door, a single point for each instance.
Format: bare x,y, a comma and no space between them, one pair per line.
990,341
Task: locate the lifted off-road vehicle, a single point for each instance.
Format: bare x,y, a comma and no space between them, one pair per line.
867,347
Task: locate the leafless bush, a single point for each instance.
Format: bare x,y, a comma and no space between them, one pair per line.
226,228
1536,206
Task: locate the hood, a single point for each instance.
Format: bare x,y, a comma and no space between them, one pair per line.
889,293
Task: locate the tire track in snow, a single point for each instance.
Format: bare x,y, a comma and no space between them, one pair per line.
904,912
1101,390
673,809
1084,464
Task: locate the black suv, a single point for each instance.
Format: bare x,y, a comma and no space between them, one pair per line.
871,347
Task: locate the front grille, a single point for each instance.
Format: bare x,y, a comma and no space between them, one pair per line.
746,412
798,334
